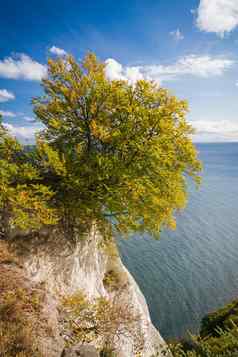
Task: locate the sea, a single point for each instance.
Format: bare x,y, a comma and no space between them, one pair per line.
193,270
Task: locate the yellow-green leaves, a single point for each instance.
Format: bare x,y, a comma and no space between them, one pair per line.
120,153
30,207
24,204
51,158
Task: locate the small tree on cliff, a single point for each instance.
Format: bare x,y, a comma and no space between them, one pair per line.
114,153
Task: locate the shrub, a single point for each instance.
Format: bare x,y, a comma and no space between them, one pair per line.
224,345
221,318
112,280
102,321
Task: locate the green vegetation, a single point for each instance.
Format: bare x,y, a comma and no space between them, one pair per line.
111,153
24,200
102,321
224,319
218,336
112,280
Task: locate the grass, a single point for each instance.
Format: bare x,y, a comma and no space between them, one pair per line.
19,310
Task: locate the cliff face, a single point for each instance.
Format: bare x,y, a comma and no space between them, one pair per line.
88,266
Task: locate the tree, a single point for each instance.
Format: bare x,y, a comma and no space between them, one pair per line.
24,201
114,153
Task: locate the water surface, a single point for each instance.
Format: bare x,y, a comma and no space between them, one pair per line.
193,270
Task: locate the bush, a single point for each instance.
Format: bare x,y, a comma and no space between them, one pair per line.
112,280
225,344
222,318
102,321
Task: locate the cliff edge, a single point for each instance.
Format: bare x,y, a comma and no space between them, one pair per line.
63,270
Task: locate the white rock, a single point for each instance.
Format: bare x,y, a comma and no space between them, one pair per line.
67,268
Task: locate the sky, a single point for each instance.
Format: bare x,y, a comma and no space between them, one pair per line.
187,46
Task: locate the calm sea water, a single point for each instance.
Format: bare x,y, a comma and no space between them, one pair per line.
193,270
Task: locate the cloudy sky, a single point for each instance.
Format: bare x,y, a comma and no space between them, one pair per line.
188,46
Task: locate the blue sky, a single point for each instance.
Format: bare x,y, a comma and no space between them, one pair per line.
188,46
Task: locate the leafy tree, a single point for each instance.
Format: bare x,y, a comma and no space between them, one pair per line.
24,201
116,154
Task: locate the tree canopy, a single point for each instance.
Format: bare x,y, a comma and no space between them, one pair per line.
113,153
121,152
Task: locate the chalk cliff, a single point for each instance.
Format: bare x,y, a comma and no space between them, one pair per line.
64,268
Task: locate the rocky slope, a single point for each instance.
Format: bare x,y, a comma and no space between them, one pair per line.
93,267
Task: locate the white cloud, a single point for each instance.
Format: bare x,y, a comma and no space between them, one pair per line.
29,119
216,130
7,114
114,70
5,95
25,134
24,67
201,66
57,51
193,65
218,16
177,35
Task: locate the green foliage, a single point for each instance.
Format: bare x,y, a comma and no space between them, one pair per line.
223,318
117,155
218,336
24,200
111,154
225,345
